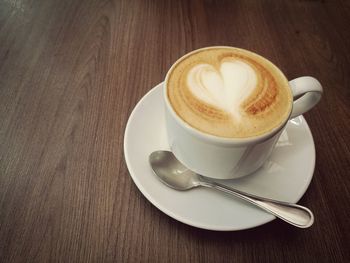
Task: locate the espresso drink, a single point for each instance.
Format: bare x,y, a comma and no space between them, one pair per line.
229,92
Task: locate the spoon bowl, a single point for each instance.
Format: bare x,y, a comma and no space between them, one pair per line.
171,172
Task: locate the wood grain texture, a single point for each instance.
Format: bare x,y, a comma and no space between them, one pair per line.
71,73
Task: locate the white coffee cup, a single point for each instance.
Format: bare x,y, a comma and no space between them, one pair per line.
229,158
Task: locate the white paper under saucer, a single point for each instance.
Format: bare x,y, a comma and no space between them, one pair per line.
286,176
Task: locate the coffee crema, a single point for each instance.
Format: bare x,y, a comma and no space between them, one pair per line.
229,92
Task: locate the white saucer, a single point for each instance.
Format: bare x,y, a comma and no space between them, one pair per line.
286,176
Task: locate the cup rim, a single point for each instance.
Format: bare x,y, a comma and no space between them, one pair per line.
214,138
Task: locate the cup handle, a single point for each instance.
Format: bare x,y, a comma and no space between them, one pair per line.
307,92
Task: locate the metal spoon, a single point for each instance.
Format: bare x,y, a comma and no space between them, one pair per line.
175,175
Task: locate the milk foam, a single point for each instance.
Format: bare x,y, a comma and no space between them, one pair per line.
228,92
225,88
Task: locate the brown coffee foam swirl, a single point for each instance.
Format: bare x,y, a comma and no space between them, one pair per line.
266,107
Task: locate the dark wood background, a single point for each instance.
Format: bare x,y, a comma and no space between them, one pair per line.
71,73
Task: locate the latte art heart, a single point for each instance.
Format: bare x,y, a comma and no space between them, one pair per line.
228,92
225,88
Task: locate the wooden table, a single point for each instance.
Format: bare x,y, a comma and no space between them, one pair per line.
71,73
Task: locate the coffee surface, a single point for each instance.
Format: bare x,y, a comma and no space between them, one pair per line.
229,92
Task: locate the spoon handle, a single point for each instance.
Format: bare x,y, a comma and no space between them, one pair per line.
293,214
